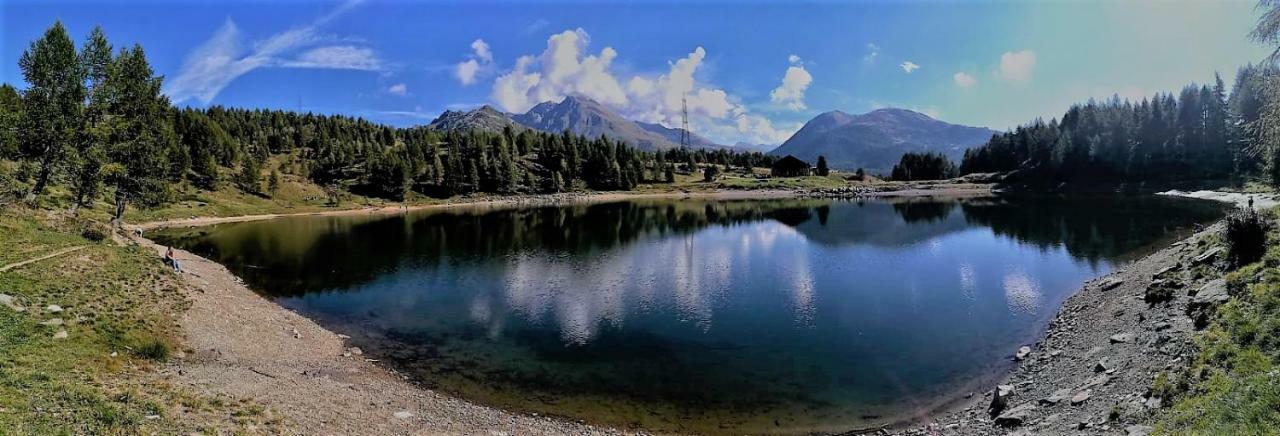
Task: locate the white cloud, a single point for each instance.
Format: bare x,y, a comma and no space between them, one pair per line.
964,80
480,63
1017,66
565,67
221,60
398,89
340,57
873,51
791,92
908,66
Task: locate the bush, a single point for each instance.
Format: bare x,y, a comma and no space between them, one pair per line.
1246,237
153,349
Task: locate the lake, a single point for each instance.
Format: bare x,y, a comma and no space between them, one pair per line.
736,316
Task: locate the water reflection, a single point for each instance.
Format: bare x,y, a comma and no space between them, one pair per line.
688,315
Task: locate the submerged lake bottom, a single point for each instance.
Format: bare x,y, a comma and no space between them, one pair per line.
693,315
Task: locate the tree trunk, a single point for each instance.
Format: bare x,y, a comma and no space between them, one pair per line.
122,199
46,167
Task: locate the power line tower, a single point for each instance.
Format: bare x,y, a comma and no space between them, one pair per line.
684,119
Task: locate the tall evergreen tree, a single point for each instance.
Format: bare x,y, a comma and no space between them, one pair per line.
142,135
52,103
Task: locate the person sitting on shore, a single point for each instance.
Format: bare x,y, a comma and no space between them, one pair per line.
172,261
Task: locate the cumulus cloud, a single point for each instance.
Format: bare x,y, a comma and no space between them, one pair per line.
1017,66
479,62
398,89
791,92
221,59
566,67
964,80
873,51
908,66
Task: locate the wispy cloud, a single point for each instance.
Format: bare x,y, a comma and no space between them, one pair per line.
873,51
399,89
536,25
909,67
220,60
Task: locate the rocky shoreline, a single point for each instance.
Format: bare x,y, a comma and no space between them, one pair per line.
1092,371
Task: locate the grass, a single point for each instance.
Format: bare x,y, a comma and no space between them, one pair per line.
120,309
1233,384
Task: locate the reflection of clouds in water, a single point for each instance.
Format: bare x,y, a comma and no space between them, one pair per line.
1021,292
579,293
802,290
968,282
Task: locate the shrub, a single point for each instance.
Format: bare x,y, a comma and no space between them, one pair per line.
1246,237
94,232
153,349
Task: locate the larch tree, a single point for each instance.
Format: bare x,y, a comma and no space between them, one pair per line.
52,103
142,136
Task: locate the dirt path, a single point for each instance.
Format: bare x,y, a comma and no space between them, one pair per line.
47,256
244,346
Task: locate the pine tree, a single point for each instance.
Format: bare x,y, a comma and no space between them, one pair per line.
822,166
273,183
143,134
249,177
52,103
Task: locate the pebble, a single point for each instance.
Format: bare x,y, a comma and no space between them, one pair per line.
1081,397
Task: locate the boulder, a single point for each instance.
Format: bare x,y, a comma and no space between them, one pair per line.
1016,416
53,322
1000,399
1056,397
1121,338
1111,283
1208,256
1212,294
1104,365
53,308
61,334
1022,353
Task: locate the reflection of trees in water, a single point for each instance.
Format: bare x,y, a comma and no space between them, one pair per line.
290,257
1091,228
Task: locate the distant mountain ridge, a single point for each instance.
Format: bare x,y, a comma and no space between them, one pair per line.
579,115
876,140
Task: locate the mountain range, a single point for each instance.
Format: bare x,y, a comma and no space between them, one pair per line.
579,115
873,141
876,140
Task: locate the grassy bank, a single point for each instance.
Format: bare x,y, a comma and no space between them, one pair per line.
1232,385
94,367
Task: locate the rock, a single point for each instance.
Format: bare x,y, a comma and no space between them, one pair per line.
1154,403
296,334
1137,430
53,308
1111,283
1000,399
1081,397
1104,365
1121,338
356,351
403,414
1056,397
1211,294
8,301
1016,416
61,334
53,322
1163,325
1022,353
1208,256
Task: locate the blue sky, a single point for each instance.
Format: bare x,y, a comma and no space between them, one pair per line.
752,71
